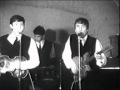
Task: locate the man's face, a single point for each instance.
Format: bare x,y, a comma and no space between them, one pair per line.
38,37
81,30
17,27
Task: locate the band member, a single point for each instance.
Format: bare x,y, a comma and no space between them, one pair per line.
45,47
18,53
88,45
46,54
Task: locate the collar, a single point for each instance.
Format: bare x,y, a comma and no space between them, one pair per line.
41,43
83,39
12,37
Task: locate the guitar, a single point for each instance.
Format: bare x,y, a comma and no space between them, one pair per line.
8,65
86,59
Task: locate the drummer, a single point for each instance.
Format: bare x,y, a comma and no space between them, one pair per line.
45,47
45,50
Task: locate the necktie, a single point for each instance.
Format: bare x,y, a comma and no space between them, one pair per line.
17,46
40,47
81,43
16,41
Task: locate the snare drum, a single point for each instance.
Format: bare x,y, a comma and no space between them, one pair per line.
47,77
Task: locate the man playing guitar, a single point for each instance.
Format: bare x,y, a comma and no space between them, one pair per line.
18,52
89,46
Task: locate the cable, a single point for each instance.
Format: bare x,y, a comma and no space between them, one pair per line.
33,87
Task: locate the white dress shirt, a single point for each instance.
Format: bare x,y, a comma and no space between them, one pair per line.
41,43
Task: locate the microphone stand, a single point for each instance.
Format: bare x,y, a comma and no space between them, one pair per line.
19,77
60,87
79,63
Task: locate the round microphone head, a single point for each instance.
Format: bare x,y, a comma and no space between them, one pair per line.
79,34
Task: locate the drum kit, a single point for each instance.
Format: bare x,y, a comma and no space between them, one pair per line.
47,73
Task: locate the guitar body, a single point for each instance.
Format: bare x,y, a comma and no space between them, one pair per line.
23,73
6,62
84,67
17,72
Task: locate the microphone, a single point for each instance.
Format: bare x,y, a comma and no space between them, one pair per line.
79,34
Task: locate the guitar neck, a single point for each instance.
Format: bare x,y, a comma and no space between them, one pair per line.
102,51
89,60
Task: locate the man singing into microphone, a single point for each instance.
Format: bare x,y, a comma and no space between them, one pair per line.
88,44
17,44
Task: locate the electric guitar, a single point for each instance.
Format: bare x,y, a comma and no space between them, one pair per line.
86,59
8,65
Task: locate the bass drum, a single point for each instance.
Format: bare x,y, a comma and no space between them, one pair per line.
47,77
46,73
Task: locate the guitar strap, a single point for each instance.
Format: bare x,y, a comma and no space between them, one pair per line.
40,47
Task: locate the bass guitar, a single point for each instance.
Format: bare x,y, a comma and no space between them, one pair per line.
8,65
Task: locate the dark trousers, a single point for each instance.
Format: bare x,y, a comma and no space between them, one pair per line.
90,82
66,79
8,82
